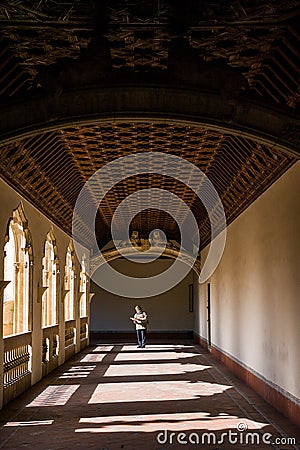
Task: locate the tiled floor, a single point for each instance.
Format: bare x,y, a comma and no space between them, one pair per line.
167,396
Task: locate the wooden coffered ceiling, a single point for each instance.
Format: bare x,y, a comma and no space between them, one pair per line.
260,40
51,169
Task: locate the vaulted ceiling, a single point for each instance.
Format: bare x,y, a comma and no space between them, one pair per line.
258,40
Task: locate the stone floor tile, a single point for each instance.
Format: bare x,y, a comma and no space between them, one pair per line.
165,397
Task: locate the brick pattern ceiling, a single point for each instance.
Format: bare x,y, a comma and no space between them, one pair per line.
51,169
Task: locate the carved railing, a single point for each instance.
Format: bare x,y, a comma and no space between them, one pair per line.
45,351
70,333
50,343
50,349
17,358
84,328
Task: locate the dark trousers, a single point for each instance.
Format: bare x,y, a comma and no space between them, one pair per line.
141,337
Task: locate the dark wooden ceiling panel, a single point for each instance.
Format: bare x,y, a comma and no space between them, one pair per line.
260,39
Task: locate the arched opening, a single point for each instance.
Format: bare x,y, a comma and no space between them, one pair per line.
17,264
83,289
69,284
50,268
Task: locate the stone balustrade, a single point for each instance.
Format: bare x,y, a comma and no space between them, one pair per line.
17,365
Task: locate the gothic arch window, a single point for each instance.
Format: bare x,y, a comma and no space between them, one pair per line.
70,283
83,289
50,270
18,263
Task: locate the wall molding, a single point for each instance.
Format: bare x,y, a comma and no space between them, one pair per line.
283,401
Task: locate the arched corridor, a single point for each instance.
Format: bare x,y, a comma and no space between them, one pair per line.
149,191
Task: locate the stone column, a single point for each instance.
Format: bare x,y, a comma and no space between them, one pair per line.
3,285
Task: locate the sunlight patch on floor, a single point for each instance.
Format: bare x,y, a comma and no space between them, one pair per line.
103,348
78,372
148,355
157,347
54,396
169,421
154,391
93,357
152,369
30,423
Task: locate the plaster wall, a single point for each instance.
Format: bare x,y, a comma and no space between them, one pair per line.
255,291
167,312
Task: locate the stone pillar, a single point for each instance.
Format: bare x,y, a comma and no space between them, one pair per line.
61,320
77,309
37,332
89,297
3,285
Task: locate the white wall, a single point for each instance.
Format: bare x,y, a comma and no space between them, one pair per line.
167,312
255,291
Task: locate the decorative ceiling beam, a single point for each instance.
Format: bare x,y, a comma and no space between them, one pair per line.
88,25
265,123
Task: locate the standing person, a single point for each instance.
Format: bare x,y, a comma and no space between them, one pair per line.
140,319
